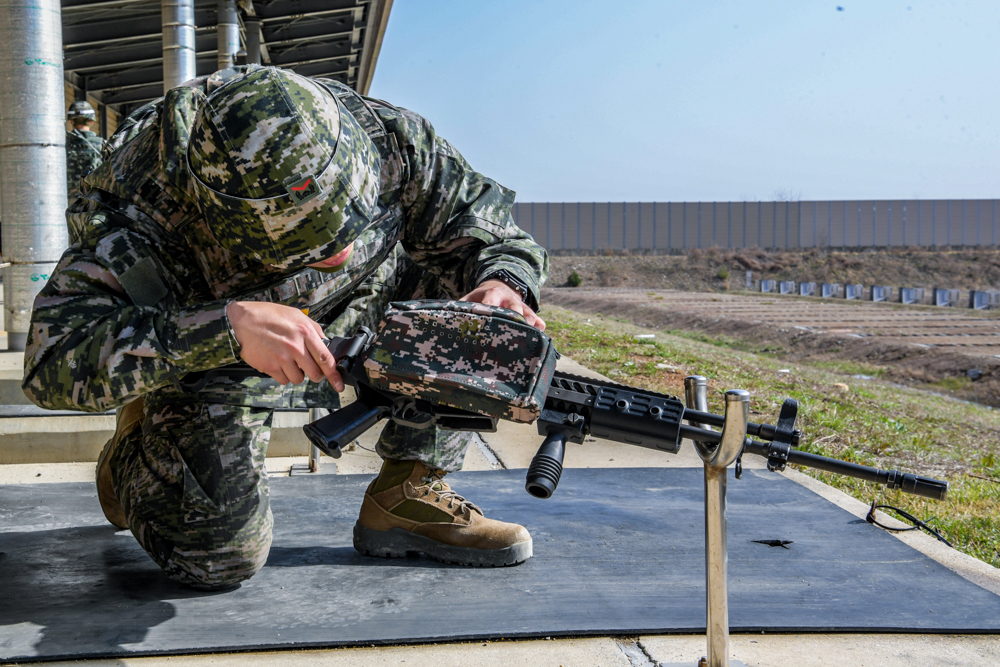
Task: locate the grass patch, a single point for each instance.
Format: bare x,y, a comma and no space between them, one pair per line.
950,384
849,368
871,423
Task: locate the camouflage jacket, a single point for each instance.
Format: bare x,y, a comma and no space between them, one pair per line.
138,300
83,155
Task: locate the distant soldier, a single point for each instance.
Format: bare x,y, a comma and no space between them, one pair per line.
83,147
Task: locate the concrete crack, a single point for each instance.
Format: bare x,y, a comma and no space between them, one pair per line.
488,452
635,652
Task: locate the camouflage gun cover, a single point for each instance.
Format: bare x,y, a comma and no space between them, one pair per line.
461,366
469,356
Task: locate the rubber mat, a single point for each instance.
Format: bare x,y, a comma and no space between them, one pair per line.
617,551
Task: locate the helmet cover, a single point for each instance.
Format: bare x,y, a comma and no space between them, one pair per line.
281,170
81,110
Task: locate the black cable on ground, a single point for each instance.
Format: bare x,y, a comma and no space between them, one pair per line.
906,516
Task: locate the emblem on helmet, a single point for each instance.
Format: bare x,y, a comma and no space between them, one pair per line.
303,189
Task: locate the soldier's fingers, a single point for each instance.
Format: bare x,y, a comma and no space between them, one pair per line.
326,364
309,366
278,376
533,319
293,372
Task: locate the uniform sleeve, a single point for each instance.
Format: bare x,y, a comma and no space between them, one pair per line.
458,222
92,347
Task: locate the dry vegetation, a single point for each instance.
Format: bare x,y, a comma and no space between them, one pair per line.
724,269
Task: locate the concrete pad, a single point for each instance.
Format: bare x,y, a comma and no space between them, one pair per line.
600,652
11,360
46,473
829,650
54,439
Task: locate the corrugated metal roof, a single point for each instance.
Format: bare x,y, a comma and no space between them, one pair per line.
113,48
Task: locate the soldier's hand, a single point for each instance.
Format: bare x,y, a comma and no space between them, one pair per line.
282,342
497,293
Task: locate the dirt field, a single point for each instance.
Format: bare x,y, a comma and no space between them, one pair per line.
950,351
717,269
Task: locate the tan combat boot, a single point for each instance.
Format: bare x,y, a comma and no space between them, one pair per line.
128,418
408,509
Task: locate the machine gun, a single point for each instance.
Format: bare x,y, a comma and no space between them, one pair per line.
576,407
565,408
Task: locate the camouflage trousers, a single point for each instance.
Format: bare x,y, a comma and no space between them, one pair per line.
192,480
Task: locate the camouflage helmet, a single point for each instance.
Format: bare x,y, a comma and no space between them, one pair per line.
80,110
281,170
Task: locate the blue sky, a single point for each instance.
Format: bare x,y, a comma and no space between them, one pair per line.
711,100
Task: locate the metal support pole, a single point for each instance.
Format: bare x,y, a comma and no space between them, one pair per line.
314,452
177,18
228,28
252,25
32,155
716,460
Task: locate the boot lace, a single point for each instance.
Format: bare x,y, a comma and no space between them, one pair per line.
433,480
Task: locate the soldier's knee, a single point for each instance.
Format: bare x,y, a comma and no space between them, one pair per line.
218,568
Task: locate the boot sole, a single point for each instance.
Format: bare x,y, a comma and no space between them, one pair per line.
398,543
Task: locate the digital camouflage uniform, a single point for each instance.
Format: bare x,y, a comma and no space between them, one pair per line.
83,155
138,301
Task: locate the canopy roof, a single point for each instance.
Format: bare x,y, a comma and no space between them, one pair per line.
113,49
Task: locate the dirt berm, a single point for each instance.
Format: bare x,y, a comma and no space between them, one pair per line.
716,269
922,367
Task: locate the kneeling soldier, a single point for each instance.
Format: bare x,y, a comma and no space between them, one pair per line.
247,216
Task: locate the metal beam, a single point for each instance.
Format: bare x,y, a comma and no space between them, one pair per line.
299,8
378,19
140,76
131,95
279,33
323,67
130,28
310,52
125,56
74,7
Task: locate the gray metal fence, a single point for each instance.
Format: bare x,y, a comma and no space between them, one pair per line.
766,224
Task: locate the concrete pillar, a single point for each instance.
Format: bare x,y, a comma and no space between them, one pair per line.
32,155
177,17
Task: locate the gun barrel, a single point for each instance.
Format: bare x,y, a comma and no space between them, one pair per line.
893,479
765,431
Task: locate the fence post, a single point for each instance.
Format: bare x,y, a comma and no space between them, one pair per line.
654,225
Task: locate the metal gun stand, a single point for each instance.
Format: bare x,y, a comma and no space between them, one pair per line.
314,452
717,458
